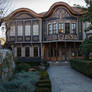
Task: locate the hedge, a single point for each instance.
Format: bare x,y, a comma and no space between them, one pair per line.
83,66
43,84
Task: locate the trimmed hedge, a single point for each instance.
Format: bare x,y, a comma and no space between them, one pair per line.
83,66
43,84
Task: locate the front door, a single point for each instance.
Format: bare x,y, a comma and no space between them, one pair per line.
65,54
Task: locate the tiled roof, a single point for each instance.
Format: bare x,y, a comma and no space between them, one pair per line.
73,10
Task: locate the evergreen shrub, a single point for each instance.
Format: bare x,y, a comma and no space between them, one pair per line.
83,66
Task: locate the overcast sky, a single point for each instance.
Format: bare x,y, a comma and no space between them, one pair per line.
43,5
39,5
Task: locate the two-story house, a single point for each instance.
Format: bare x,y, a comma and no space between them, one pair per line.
53,35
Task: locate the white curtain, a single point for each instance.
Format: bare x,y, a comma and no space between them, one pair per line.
12,31
35,29
20,30
27,30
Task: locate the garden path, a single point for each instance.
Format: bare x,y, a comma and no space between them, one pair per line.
65,79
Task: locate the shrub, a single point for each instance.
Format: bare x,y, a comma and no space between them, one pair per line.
43,85
21,82
83,66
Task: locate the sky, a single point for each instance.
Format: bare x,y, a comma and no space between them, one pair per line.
39,5
43,5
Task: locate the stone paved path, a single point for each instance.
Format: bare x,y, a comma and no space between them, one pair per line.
65,79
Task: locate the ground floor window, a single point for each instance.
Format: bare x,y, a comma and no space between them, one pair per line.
19,51
27,51
35,51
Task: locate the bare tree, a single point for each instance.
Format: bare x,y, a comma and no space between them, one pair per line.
6,7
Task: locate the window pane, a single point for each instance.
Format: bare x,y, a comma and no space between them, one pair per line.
27,51
73,28
27,29
67,28
50,29
35,51
20,30
61,27
19,51
55,28
35,29
12,31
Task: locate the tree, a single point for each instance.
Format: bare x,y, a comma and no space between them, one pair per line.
88,16
86,47
5,7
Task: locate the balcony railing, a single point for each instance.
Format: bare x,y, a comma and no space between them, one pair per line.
62,37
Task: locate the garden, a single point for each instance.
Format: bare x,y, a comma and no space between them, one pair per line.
84,65
27,77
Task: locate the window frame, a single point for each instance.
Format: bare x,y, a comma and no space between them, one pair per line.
36,33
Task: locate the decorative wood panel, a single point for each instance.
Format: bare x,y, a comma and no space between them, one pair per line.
35,38
28,38
60,13
19,38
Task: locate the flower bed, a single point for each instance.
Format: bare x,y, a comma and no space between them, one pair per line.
83,66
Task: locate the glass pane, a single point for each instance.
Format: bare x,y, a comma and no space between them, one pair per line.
35,29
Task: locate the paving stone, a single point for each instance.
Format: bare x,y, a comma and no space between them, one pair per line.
65,79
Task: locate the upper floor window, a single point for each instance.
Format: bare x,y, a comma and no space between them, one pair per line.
67,28
20,29
12,30
73,28
55,28
35,29
61,28
50,29
27,29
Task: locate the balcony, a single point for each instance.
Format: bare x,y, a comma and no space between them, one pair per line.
62,37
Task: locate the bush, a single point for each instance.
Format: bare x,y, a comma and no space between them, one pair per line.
43,84
21,82
22,66
83,66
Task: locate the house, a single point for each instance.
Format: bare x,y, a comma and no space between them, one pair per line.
54,35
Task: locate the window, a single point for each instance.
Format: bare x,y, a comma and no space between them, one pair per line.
19,51
73,28
12,31
67,28
55,28
35,51
35,29
50,29
20,29
61,27
27,51
27,29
